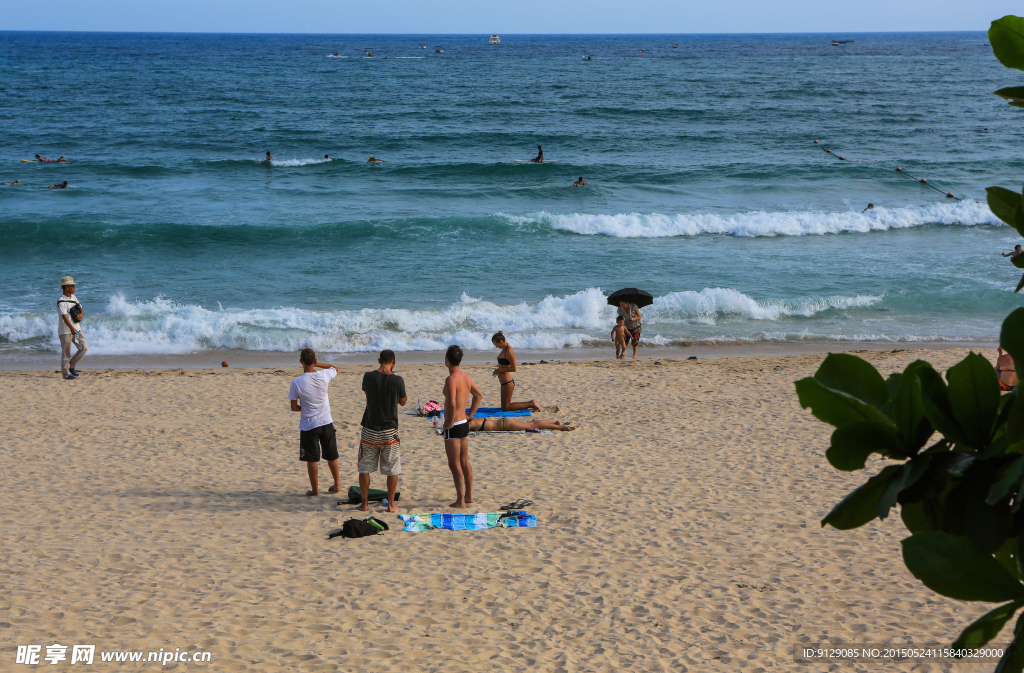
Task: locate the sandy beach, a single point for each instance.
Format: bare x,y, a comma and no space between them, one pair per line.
678,527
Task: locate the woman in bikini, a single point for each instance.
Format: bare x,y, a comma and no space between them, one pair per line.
515,424
507,365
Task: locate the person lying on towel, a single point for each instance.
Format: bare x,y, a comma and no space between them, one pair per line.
515,425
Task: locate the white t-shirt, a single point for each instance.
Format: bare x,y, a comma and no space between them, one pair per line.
64,304
310,390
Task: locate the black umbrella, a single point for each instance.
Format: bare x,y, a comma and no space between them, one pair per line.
631,295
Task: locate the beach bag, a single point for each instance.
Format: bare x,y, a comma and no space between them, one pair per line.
375,495
361,527
75,312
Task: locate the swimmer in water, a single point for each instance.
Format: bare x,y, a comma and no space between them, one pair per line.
1017,250
268,161
374,160
579,183
327,156
12,184
871,206
539,159
63,185
335,53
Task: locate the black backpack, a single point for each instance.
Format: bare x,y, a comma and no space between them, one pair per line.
360,528
75,312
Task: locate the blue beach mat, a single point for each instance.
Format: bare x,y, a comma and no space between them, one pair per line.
416,523
496,412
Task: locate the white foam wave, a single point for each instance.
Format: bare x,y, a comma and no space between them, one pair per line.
161,326
287,163
759,223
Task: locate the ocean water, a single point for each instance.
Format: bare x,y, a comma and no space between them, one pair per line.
705,187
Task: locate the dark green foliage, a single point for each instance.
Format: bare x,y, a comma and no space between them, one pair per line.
961,497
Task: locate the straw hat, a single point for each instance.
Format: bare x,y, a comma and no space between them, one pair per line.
67,280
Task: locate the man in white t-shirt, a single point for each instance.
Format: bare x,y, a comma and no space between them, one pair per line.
69,330
316,427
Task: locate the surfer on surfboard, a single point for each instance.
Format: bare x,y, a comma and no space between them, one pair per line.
375,160
44,160
539,159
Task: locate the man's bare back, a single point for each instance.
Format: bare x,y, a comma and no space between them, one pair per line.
458,388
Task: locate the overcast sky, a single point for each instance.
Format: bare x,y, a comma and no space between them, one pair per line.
510,16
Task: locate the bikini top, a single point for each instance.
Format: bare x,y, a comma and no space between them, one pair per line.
504,362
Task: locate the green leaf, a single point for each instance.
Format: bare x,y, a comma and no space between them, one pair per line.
1010,481
1014,94
914,517
1005,555
966,513
1011,337
909,473
974,397
954,566
861,506
1007,38
1018,261
935,400
987,627
854,376
1013,657
1015,423
834,407
853,443
908,409
1003,203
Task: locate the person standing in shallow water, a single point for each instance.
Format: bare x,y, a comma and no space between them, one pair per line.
458,388
506,366
632,318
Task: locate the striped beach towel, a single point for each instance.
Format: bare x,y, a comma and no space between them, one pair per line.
416,523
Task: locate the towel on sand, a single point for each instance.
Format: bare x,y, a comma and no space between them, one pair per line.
496,412
416,523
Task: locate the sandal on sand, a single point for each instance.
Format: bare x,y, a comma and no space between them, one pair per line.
518,504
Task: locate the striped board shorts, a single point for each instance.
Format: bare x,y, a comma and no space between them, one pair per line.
380,450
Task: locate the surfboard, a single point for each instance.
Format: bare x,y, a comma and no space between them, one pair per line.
33,161
530,161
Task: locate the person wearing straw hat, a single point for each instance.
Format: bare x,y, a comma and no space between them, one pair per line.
69,330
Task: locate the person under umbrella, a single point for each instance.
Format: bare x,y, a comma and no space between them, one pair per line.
629,300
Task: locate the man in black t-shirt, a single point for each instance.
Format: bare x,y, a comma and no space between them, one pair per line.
379,447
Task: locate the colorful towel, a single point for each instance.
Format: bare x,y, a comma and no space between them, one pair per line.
417,523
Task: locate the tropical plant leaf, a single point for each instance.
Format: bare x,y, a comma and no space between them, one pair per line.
835,407
1015,422
1013,656
1011,337
1014,94
974,397
1003,202
861,506
854,376
909,473
935,400
853,443
1018,261
1010,480
1007,38
987,627
966,513
954,566
914,517
1006,556
912,424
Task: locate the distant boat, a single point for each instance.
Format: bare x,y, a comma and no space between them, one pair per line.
368,52
836,43
438,50
675,45
495,40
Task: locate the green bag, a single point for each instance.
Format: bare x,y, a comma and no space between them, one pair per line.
376,495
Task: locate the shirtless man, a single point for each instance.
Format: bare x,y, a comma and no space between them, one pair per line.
458,388
1016,251
539,159
1006,371
61,185
579,183
375,160
268,161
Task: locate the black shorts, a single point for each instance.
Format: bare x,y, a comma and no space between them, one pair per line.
457,431
312,441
